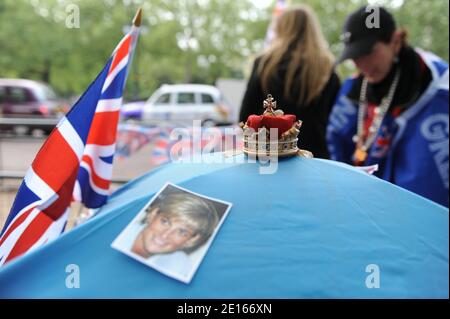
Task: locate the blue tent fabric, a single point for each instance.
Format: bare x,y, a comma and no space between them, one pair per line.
307,231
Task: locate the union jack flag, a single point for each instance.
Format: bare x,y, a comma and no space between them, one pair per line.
84,137
94,176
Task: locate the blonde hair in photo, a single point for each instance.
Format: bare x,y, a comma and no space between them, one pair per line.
195,212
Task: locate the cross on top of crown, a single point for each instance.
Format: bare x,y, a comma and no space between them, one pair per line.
269,104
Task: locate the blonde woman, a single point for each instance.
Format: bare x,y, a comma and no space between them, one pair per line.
297,69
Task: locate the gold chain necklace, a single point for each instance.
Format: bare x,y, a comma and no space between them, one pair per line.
362,146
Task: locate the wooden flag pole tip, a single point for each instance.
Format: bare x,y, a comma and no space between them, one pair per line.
137,18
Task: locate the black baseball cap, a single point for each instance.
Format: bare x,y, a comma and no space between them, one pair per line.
363,28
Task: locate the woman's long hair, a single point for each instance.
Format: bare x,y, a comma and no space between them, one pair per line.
299,38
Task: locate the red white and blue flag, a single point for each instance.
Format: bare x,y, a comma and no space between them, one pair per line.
79,150
94,177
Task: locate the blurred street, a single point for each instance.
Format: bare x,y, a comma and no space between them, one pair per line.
17,153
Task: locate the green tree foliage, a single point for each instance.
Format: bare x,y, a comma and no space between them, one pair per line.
426,23
182,41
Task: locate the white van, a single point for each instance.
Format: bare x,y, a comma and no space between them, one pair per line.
183,103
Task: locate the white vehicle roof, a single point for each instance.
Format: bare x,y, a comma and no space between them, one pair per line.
21,82
203,88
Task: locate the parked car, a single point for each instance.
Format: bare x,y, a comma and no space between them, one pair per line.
183,103
132,110
30,100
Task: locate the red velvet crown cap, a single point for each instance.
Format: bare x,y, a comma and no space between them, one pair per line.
282,123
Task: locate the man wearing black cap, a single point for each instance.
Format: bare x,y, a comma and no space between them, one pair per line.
394,113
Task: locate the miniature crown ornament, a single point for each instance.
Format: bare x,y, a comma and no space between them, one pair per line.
285,129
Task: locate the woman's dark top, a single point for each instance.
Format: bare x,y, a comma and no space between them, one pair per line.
314,116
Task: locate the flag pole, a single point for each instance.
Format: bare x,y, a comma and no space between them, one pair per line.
137,18
134,33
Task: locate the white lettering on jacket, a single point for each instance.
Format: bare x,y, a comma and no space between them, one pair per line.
435,131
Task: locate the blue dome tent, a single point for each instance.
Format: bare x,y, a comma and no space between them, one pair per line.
313,229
